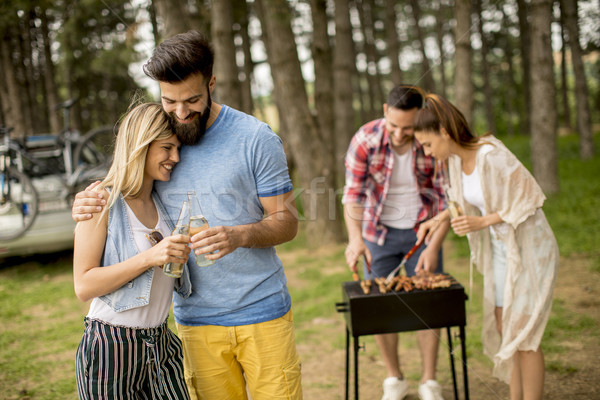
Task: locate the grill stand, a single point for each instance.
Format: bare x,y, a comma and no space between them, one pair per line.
352,324
356,348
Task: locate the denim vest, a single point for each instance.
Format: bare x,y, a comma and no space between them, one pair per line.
119,247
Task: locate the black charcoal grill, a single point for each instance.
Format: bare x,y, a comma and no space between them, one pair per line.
377,313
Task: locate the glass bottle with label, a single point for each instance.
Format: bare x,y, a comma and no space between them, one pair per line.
172,269
198,223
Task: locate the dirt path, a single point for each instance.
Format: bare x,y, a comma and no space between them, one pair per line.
573,371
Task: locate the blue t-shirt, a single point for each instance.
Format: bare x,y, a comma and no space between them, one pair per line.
237,161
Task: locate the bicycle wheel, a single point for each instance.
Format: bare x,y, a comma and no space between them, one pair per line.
95,151
18,204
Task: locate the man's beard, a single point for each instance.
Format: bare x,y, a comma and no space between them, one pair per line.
191,133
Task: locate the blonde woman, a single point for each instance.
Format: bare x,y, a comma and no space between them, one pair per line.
511,241
127,350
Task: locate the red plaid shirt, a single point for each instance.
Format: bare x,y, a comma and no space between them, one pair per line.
369,165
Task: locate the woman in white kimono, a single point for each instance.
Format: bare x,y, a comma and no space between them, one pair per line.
511,241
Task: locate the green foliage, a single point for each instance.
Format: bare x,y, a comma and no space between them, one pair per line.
97,47
92,47
574,212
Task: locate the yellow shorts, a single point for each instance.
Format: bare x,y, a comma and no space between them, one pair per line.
217,359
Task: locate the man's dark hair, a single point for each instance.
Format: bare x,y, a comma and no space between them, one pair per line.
181,56
405,97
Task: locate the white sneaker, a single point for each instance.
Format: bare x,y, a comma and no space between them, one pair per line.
430,390
394,388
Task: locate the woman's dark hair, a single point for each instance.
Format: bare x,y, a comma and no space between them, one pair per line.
405,97
181,56
437,113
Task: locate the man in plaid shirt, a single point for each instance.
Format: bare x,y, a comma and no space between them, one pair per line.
391,187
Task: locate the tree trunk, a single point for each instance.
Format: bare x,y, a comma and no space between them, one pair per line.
511,96
316,175
564,90
154,22
50,89
322,58
240,15
376,99
543,116
584,120
426,80
228,85
9,89
357,83
440,31
324,90
33,125
175,17
526,60
485,67
345,72
393,47
463,86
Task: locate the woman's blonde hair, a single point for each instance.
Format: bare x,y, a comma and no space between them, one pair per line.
142,125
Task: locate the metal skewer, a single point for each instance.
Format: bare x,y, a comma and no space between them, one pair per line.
402,263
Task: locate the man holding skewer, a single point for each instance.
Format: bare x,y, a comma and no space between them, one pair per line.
391,187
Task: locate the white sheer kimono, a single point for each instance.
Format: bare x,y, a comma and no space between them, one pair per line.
532,253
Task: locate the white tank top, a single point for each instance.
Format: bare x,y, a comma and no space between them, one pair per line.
161,293
402,203
472,190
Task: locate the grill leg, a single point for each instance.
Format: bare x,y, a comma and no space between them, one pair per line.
451,351
347,362
464,361
356,348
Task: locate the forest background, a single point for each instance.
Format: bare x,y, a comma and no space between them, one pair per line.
316,70
526,70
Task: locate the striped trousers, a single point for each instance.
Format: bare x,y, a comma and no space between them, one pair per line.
130,364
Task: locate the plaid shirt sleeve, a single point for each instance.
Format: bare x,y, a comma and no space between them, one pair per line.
439,183
356,171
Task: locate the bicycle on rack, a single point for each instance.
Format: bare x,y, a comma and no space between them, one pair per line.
26,166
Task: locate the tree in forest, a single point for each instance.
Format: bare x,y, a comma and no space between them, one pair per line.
440,12
366,12
393,47
241,20
344,65
426,79
50,86
317,182
544,155
463,86
509,102
524,30
12,107
564,86
228,88
584,120
322,55
485,70
177,16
